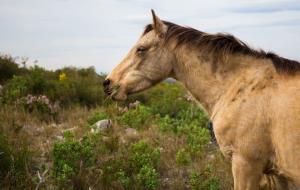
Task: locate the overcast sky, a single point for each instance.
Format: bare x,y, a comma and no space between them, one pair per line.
99,33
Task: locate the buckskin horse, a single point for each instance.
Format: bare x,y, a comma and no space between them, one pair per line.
251,96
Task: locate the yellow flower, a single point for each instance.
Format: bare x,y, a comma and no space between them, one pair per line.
62,76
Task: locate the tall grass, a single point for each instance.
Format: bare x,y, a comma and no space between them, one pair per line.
162,143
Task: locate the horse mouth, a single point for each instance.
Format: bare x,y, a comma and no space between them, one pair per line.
115,93
107,91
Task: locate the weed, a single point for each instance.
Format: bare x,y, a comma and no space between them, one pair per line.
135,118
69,157
183,158
204,181
142,154
148,177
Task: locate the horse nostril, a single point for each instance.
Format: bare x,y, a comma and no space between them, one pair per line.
106,82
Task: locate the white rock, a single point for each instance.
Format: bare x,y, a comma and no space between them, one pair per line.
102,125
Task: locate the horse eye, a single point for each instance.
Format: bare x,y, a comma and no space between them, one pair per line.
141,49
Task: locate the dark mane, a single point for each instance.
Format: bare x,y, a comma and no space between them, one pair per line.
223,44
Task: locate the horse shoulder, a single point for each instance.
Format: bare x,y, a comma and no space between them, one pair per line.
241,121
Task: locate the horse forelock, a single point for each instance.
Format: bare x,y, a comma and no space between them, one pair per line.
222,45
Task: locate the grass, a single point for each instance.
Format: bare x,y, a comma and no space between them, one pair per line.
77,158
168,149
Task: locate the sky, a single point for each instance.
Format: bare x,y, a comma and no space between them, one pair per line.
83,33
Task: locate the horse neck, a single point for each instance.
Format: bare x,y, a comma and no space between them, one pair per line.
196,71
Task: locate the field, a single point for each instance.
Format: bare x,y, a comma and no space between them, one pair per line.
59,131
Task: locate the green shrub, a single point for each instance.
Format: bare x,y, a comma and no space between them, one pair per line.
38,83
8,68
183,158
133,169
78,86
148,177
192,114
166,99
82,86
189,115
197,138
17,87
190,123
167,124
69,157
136,117
142,153
163,99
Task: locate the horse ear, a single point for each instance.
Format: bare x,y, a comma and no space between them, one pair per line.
157,24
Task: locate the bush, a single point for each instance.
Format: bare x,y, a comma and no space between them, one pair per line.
16,88
197,138
8,68
190,123
68,86
69,157
82,86
181,123
136,117
183,158
192,114
147,177
167,124
141,154
166,99
133,169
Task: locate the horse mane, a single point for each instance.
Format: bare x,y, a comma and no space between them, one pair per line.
222,44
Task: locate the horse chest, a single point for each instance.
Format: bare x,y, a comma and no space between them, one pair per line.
225,136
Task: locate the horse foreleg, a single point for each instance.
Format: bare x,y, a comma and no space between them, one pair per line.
246,174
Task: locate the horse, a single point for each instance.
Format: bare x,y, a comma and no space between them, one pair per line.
251,96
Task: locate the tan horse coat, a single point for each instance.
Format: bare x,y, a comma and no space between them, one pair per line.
252,97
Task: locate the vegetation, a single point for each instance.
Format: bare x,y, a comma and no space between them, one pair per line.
67,86
48,141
